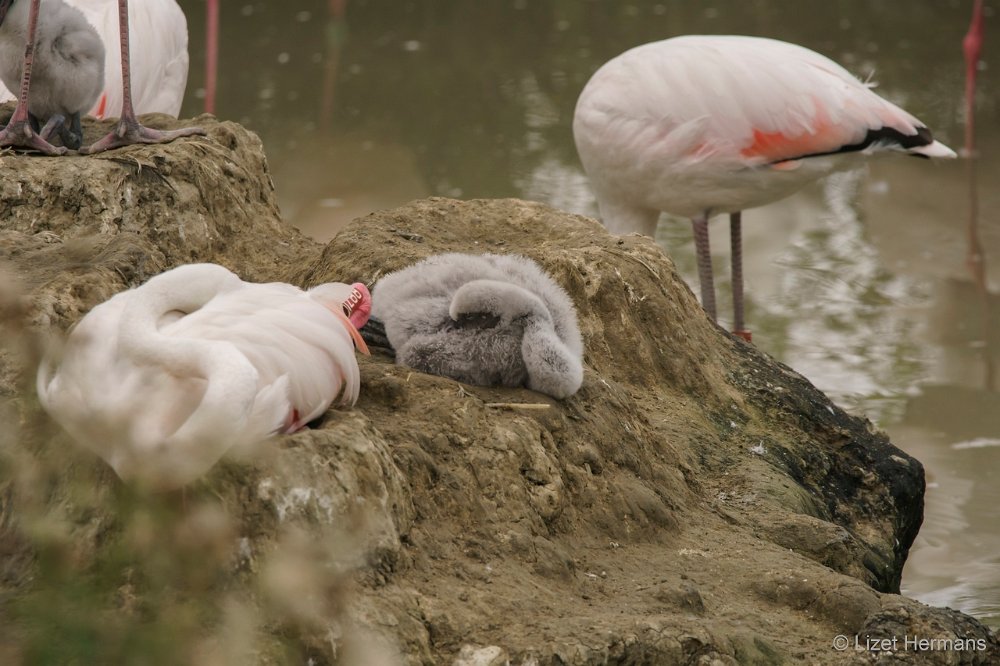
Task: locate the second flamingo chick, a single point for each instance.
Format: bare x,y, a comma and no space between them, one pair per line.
490,320
68,67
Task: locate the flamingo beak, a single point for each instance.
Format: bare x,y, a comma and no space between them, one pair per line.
356,311
359,342
358,306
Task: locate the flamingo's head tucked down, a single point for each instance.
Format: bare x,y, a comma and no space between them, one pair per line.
351,303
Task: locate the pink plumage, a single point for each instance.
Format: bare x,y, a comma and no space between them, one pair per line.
701,125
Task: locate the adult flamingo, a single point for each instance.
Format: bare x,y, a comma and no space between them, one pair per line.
162,380
701,125
163,32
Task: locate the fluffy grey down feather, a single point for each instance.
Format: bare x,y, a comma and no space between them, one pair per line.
490,320
68,71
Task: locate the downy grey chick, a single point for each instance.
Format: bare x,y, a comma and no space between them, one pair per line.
68,69
490,320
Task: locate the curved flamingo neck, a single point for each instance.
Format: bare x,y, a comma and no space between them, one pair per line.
230,380
184,289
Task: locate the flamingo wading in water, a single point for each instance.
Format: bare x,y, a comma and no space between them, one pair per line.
701,125
163,379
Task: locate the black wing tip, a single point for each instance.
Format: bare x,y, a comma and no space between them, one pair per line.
884,135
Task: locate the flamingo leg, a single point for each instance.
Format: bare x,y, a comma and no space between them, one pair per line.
69,129
700,226
736,245
53,125
128,130
976,258
972,47
19,131
211,53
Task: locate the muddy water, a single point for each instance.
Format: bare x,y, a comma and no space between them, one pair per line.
860,283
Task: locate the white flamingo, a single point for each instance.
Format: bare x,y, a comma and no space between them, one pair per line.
701,125
162,380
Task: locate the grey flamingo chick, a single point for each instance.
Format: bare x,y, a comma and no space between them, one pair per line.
490,320
68,72
129,130
19,131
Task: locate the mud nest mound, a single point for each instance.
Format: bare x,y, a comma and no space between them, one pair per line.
695,502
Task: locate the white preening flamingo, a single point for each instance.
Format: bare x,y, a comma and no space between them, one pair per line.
701,125
159,68
162,380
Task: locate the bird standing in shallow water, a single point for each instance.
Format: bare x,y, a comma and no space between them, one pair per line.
701,125
162,380
68,70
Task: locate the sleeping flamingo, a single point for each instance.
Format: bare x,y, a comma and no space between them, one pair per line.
163,379
701,125
128,130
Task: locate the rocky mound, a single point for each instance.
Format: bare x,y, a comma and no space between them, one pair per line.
695,502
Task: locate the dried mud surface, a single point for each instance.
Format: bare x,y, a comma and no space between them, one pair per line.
695,503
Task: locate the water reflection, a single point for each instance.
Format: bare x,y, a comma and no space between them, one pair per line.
860,284
955,560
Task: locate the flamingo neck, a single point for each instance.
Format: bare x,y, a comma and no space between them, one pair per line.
183,290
